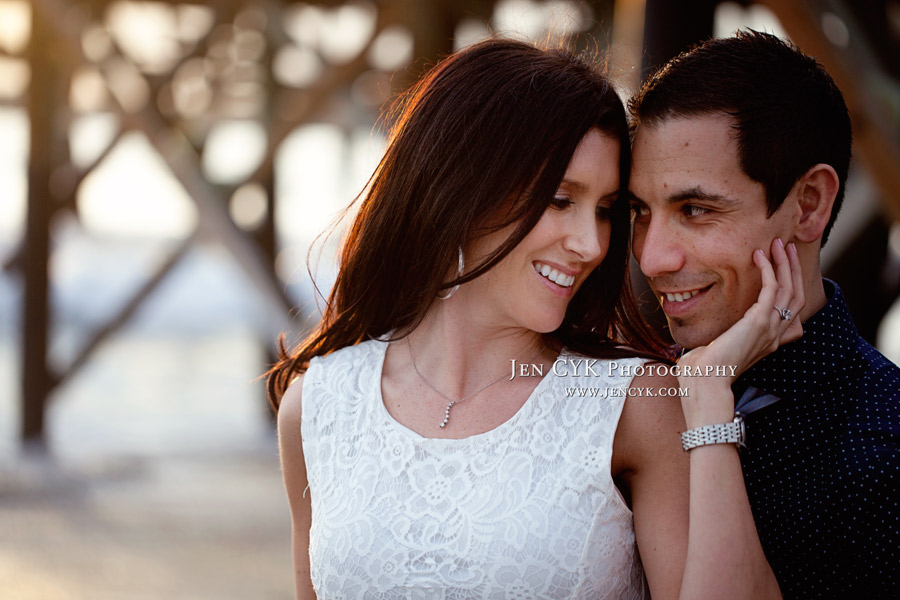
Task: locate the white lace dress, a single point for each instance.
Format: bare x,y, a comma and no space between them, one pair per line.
526,510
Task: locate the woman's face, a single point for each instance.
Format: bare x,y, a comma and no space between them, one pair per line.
532,286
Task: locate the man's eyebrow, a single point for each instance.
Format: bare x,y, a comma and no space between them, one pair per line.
697,193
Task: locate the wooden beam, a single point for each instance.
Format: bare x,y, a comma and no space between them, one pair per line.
42,109
127,310
184,163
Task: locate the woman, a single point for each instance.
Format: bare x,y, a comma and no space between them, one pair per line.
495,229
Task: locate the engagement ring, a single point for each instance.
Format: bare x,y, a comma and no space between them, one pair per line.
785,313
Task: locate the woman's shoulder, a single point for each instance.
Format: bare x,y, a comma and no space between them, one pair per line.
290,413
348,373
651,421
348,356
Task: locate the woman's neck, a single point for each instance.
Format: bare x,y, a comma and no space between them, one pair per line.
457,352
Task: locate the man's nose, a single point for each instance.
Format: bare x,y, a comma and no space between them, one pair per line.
657,248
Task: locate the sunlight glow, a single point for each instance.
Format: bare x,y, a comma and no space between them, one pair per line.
233,150
392,49
295,66
13,182
89,135
88,90
15,25
144,32
730,16
305,184
532,20
15,75
132,192
249,205
339,34
319,170
468,32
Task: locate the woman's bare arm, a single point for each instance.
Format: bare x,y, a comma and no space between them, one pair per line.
725,557
647,457
700,543
293,467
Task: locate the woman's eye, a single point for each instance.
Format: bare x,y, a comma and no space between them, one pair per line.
691,210
560,202
603,212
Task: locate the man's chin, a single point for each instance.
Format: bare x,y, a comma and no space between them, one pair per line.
690,336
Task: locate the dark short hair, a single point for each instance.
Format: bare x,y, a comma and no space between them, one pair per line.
480,143
789,114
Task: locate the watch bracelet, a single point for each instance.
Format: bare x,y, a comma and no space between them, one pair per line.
719,433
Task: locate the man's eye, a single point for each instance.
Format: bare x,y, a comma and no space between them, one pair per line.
560,202
691,210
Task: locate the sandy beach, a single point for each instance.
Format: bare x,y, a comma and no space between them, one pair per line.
162,478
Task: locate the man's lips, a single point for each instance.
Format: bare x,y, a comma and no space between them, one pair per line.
677,301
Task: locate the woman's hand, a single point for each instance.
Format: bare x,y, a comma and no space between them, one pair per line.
761,331
725,558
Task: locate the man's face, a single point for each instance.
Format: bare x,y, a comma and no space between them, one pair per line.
698,219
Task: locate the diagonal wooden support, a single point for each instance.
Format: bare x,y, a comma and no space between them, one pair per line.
184,162
127,310
15,258
58,27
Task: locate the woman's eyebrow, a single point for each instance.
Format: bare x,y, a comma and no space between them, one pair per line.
575,186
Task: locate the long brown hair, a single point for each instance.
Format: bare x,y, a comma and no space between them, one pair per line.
498,120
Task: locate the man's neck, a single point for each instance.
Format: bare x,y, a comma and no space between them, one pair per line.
814,292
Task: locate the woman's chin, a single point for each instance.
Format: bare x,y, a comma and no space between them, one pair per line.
547,324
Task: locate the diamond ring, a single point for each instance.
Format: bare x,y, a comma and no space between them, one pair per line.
785,313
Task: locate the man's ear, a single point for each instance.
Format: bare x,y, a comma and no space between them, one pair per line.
815,192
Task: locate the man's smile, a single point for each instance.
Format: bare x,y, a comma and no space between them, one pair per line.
677,302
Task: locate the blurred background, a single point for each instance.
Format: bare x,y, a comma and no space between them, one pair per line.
164,170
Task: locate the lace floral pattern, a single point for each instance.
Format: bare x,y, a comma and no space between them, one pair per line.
526,510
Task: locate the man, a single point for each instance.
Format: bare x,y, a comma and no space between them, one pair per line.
737,143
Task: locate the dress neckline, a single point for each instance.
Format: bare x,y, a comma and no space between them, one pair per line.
527,406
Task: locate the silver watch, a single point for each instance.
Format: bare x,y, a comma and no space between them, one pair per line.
721,433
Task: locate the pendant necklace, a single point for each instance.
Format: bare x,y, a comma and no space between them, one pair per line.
463,399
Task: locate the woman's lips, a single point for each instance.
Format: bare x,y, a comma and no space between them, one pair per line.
563,289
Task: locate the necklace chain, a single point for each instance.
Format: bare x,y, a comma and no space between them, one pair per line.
463,399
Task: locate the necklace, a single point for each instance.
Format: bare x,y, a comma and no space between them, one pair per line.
463,399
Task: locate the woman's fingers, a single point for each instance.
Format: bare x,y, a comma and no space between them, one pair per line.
769,282
762,330
782,273
795,328
782,288
796,275
788,291
785,293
